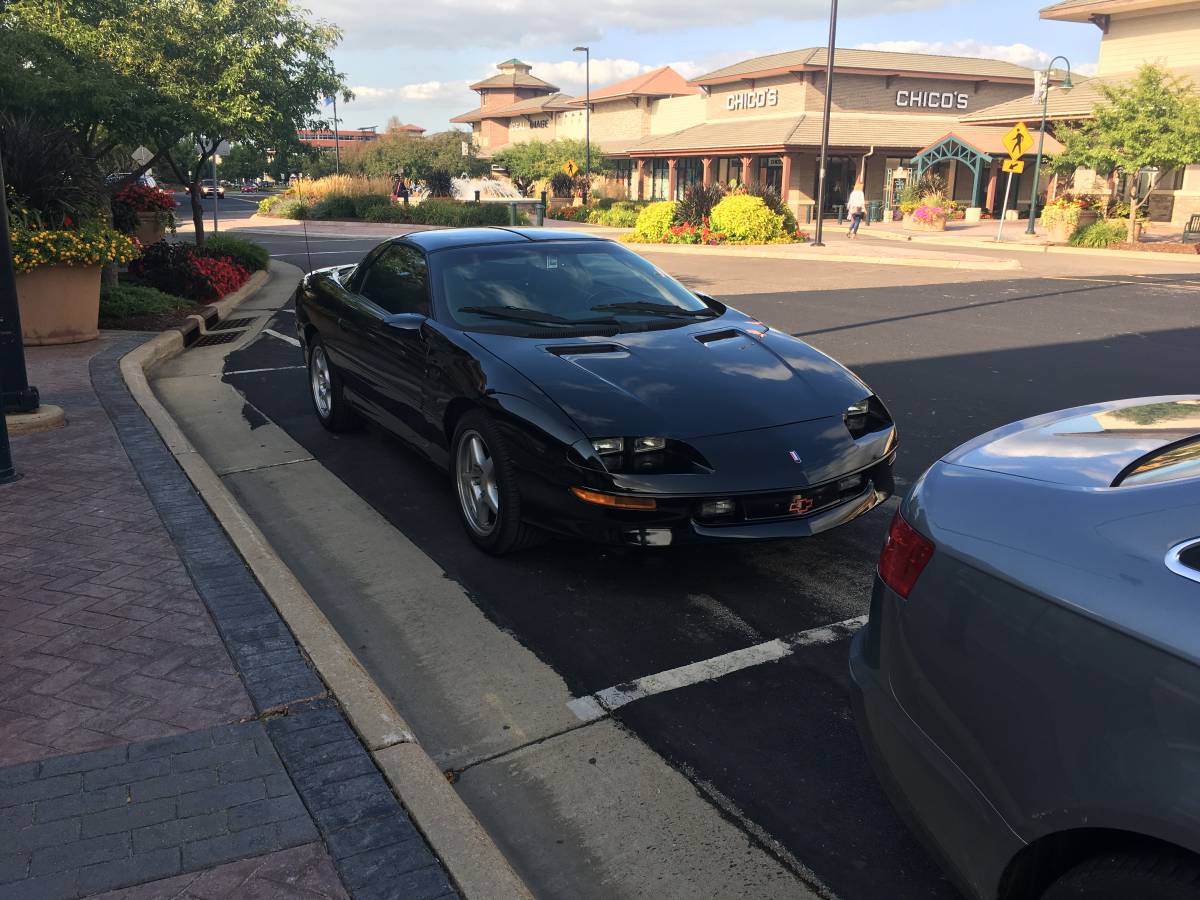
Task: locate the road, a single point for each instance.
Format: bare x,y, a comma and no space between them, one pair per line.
772,748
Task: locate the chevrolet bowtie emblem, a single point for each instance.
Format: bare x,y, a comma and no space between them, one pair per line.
795,456
800,505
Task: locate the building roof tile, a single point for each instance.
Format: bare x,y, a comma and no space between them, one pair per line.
813,58
661,82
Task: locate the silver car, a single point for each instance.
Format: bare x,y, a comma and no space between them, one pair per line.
1028,685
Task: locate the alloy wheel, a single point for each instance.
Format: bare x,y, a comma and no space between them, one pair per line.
478,490
322,386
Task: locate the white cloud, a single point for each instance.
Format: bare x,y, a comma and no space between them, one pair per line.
425,90
512,24
569,74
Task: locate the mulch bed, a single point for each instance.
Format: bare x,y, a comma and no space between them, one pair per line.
157,322
1158,247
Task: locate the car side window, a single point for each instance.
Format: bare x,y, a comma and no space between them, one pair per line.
398,281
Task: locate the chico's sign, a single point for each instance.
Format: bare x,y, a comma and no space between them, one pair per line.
932,99
752,99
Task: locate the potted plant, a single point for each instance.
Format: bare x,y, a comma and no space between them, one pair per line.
58,278
910,199
931,213
146,213
1063,216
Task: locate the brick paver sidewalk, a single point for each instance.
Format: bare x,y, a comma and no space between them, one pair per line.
161,735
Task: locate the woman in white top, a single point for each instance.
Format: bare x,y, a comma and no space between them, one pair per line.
857,205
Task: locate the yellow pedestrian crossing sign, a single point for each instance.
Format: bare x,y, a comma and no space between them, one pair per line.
1018,141
1016,166
570,168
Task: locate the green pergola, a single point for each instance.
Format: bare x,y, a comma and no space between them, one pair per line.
955,149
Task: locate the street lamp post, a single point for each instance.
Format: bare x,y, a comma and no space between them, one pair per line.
16,394
587,121
1037,163
819,231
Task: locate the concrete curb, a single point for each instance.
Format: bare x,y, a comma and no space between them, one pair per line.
44,418
822,255
1026,248
470,856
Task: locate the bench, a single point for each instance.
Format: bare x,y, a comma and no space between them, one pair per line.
1191,231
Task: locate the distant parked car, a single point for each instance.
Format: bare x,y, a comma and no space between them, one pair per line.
207,189
1029,681
248,188
144,178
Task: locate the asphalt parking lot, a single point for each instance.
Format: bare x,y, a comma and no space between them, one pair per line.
772,746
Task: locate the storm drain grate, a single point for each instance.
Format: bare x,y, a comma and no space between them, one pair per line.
230,324
219,337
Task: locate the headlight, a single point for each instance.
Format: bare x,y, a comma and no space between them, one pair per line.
866,416
647,444
609,445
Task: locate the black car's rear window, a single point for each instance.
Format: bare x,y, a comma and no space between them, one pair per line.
1170,463
568,282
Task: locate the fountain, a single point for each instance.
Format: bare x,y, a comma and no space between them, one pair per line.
465,188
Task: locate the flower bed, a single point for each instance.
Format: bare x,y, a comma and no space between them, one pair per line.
184,271
89,245
738,218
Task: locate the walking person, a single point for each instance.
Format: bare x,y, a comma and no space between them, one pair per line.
857,205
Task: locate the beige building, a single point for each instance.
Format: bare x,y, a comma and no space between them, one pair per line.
760,121
1132,33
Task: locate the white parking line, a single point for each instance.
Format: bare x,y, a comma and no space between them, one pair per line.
283,337
601,703
256,371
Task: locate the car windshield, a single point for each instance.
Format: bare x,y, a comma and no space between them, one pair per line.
562,285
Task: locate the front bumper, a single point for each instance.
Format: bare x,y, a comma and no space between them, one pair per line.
675,519
931,793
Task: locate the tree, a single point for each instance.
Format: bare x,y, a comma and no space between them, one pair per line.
418,156
245,162
533,161
1149,123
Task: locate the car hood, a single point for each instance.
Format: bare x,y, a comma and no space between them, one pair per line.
1087,446
705,379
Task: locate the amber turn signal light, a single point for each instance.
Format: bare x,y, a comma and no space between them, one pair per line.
612,500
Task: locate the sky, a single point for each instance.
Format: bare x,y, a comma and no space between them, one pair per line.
414,60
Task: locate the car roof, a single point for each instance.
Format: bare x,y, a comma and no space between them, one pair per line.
445,238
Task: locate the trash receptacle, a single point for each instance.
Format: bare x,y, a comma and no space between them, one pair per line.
839,210
539,214
874,211
512,214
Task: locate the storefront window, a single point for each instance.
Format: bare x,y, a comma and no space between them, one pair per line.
770,173
659,179
688,171
622,174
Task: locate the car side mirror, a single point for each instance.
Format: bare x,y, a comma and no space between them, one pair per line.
404,321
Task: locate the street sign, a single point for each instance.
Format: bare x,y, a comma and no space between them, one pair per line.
1018,141
141,156
1016,166
570,168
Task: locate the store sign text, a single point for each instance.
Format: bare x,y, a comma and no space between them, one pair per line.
753,99
932,99
539,123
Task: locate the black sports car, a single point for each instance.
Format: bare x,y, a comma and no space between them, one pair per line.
569,385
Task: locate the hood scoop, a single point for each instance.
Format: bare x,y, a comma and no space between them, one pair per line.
712,337
590,351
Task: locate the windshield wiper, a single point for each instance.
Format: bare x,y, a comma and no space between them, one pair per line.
520,314
662,309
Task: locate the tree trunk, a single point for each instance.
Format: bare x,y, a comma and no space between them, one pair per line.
108,272
197,210
1131,226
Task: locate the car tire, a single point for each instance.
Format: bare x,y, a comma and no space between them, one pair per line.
1120,876
484,482
326,391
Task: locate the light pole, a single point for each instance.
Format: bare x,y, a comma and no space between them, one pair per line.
817,242
587,121
1037,163
16,394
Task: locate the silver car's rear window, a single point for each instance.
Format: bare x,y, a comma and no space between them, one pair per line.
1170,463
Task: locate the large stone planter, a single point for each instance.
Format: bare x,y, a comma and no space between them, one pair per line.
1059,232
59,304
150,228
1088,217
937,223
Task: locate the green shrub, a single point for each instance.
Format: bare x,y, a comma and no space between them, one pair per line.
334,206
291,208
746,219
619,217
654,221
126,301
1100,234
253,256
440,183
364,202
443,212
266,206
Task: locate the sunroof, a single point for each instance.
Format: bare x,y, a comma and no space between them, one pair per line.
1170,463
